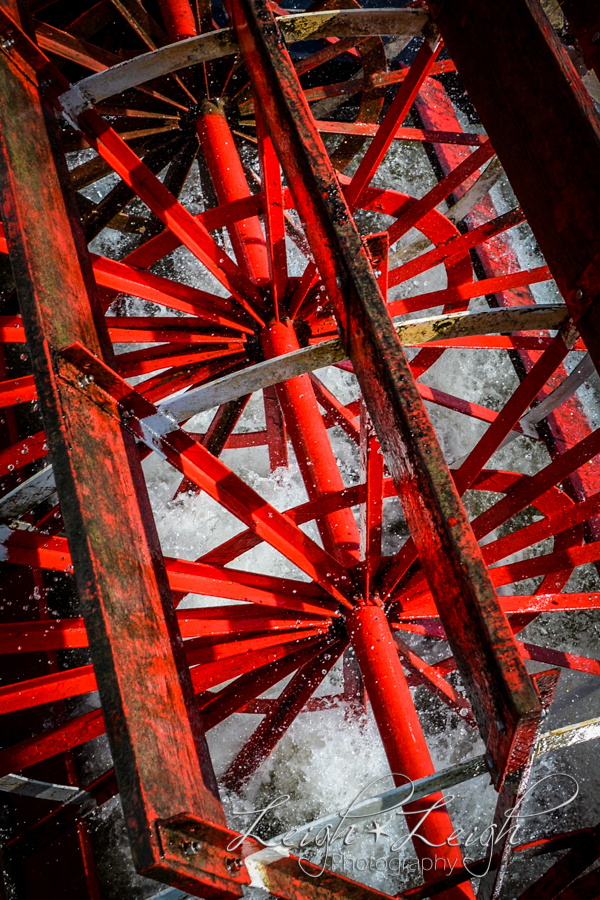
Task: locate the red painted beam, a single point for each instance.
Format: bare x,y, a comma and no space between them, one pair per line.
549,157
479,634
105,508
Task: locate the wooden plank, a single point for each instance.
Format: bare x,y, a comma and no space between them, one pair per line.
43,790
411,334
106,509
502,694
41,486
28,494
353,23
215,44
568,736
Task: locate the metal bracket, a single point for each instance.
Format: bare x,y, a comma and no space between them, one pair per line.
198,849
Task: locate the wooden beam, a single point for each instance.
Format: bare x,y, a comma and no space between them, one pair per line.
161,758
215,44
502,693
411,334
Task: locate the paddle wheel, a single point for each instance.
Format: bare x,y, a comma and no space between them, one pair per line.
237,170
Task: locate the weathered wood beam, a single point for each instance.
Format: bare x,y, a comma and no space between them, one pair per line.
502,694
411,334
215,44
584,22
160,754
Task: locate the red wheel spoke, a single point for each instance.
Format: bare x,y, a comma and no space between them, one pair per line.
394,117
28,548
431,678
51,742
300,514
212,674
146,27
201,652
276,432
69,47
141,362
17,390
527,489
443,189
277,722
559,658
189,230
542,565
455,248
337,413
47,689
371,511
28,637
210,474
537,531
422,606
250,686
225,419
218,217
23,452
473,410
173,380
404,134
538,654
125,278
520,401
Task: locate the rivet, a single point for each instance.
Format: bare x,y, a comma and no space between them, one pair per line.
233,865
579,294
596,38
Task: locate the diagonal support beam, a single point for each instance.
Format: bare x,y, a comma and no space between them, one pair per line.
502,694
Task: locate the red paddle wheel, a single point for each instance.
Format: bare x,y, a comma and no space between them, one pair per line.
303,259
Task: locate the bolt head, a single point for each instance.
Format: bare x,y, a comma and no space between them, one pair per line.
233,865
